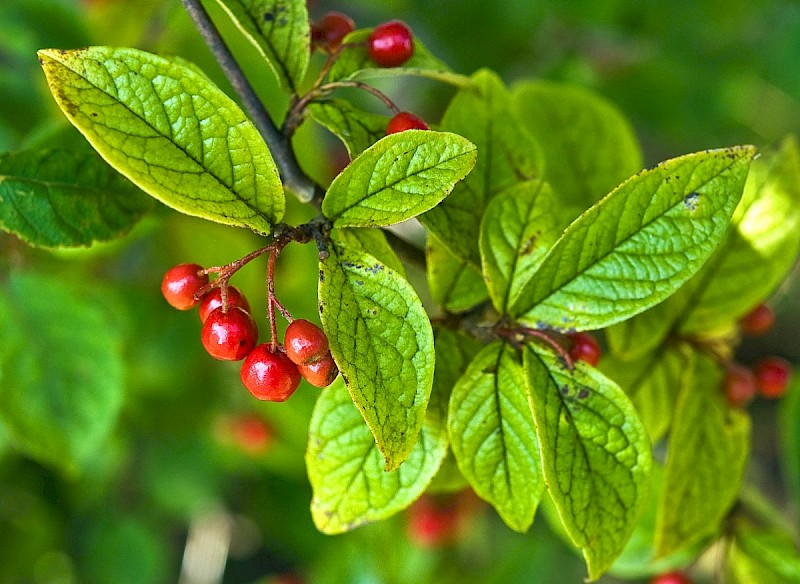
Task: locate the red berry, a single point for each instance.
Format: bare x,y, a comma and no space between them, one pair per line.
213,300
180,284
305,342
391,44
674,577
772,376
329,31
269,375
739,385
757,321
432,522
584,348
320,373
405,121
229,336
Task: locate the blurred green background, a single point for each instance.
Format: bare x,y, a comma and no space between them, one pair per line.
690,76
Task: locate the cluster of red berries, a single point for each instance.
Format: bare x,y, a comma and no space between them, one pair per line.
270,371
770,376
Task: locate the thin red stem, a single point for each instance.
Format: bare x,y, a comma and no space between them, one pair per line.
271,300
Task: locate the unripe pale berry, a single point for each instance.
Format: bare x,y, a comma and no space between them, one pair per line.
213,300
739,385
757,321
320,373
230,335
772,376
329,31
584,348
405,121
391,44
269,375
180,284
305,342
674,577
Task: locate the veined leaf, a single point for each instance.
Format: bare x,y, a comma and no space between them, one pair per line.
356,128
57,405
399,177
595,453
706,456
588,145
763,556
279,31
170,131
346,468
371,241
518,229
61,198
637,245
455,285
481,113
493,436
382,341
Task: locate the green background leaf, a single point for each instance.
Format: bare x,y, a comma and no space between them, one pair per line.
170,131
382,341
399,177
637,245
454,284
357,128
763,556
493,437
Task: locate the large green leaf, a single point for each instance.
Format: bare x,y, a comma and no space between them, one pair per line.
170,131
481,113
763,556
382,341
493,436
371,241
518,229
595,453
357,128
345,467
588,145
637,245
61,373
455,284
706,456
398,177
58,198
279,30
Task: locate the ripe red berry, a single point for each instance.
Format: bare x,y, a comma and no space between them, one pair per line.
180,284
391,44
739,385
674,577
213,300
772,376
757,321
305,342
251,433
329,31
584,348
432,522
405,121
320,373
269,375
229,336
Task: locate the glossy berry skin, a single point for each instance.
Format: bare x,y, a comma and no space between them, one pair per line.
584,348
772,376
739,385
391,44
329,31
269,375
305,342
405,121
229,336
213,300
180,284
320,373
671,578
757,321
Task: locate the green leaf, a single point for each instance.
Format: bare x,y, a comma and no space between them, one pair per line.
279,31
493,436
170,131
518,229
481,113
637,245
595,453
455,285
346,470
789,432
588,145
354,63
382,341
356,128
60,198
641,335
57,405
398,177
371,241
763,556
706,457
